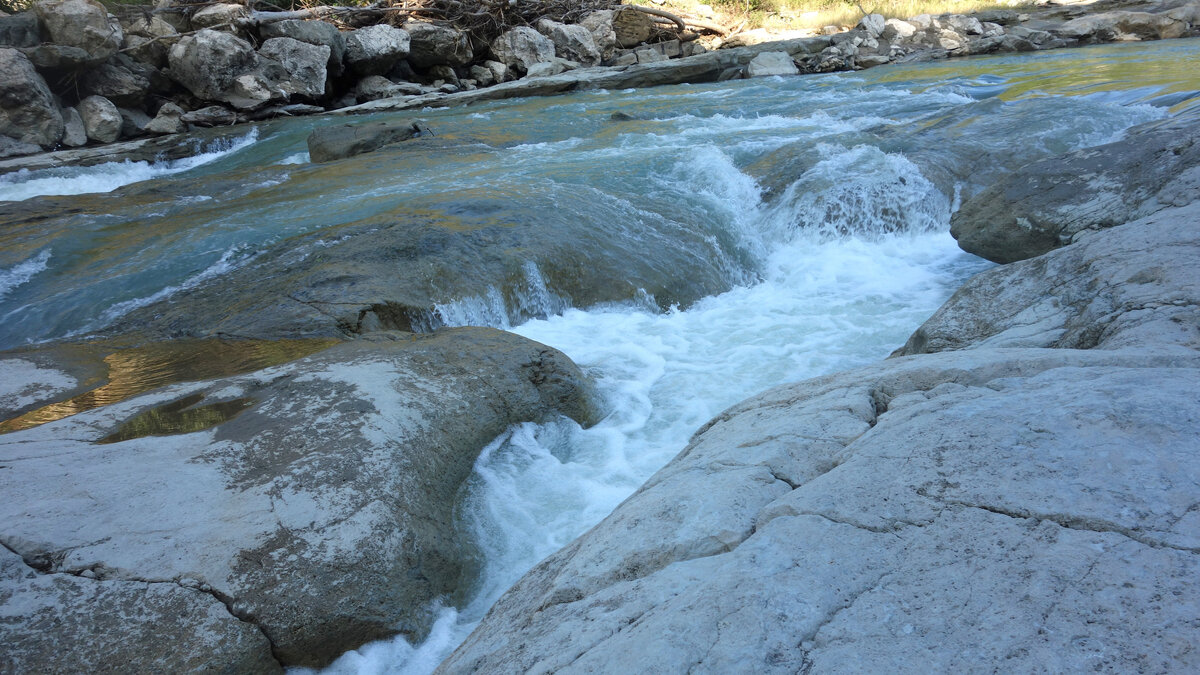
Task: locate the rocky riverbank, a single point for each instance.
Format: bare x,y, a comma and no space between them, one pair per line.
1016,489
77,76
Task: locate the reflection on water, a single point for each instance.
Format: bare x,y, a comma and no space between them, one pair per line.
179,417
139,369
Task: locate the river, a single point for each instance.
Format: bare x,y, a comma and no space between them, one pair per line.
826,200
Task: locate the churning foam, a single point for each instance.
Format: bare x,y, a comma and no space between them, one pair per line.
25,184
22,272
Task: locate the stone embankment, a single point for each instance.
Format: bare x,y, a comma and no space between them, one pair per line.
1017,490
74,75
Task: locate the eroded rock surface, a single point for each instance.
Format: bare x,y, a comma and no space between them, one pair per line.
1045,204
307,513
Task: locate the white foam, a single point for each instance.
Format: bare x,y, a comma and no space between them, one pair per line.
25,184
22,272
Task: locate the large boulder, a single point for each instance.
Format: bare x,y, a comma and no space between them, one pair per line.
298,511
522,47
375,49
1047,203
1122,25
326,144
28,112
304,65
987,509
771,63
313,33
117,82
571,42
631,27
434,45
225,17
209,61
600,25
101,119
81,23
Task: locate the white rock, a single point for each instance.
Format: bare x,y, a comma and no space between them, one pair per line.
101,119
771,63
375,49
522,47
571,42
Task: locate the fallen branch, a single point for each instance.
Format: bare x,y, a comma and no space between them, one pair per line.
681,23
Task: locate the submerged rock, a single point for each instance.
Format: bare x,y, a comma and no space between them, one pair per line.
299,511
1046,204
980,509
327,144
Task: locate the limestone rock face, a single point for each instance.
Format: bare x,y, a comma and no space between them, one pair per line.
208,62
304,65
28,112
375,49
571,42
1047,203
312,503
433,45
522,47
967,510
81,23
101,119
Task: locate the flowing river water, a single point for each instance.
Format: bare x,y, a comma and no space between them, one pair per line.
824,201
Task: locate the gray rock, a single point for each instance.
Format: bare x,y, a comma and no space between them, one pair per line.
304,65
20,30
313,500
1121,25
965,25
895,29
1004,17
255,89
975,510
521,47
169,120
571,42
649,55
326,144
499,71
223,17
133,122
375,49
211,116
101,119
28,112
548,68
1110,292
600,25
81,23
375,87
11,147
208,62
1047,203
90,612
483,76
58,58
313,33
74,133
772,63
434,45
872,24
145,50
118,83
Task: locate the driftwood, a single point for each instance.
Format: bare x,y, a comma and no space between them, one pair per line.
681,22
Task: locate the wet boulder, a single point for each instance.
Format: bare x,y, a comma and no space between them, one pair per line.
327,144
28,112
279,517
374,50
81,23
521,47
1047,203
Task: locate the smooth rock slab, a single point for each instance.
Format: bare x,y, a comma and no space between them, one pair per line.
327,144
320,515
948,513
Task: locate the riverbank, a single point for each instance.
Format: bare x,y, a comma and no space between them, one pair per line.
520,63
